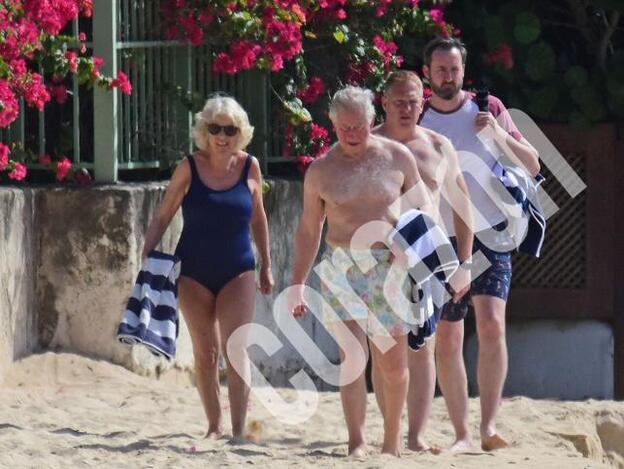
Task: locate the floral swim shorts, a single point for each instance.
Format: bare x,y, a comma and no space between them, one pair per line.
377,297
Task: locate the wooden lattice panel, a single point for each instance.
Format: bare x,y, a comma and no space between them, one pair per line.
563,260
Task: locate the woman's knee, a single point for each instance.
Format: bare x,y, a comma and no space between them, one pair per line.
206,357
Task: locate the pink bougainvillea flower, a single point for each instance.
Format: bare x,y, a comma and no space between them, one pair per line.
303,161
34,90
59,92
318,132
18,173
45,159
224,64
340,14
19,67
244,54
4,156
72,61
9,106
437,15
315,88
62,168
86,6
122,83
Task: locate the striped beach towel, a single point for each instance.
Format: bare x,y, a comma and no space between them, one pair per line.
523,189
151,316
431,261
429,251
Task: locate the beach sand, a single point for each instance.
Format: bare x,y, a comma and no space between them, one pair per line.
68,411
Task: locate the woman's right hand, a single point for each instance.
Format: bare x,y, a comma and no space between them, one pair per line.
266,280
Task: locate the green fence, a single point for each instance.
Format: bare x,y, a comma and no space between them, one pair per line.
150,128
30,129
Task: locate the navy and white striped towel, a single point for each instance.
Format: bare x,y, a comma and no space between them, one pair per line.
431,261
151,316
429,251
523,189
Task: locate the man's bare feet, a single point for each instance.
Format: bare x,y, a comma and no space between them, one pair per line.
392,447
415,443
358,451
238,440
421,447
493,442
462,445
214,433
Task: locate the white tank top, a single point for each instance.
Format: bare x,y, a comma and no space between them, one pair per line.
476,160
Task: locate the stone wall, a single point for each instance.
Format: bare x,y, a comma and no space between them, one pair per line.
70,269
69,256
90,253
554,360
18,332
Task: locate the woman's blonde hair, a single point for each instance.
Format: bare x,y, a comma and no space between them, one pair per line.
227,107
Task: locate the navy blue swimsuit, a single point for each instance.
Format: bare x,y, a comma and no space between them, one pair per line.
215,244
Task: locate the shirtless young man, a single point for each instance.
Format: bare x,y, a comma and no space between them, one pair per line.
439,167
354,184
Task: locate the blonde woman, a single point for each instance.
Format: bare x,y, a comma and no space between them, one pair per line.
220,190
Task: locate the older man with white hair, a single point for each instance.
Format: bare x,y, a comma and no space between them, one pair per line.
355,185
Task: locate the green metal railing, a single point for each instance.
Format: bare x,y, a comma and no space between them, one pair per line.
29,129
151,127
153,124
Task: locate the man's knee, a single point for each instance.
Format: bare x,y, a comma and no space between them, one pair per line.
394,373
490,326
450,339
423,357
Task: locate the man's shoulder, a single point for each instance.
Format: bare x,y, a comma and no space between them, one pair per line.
378,129
433,136
427,138
387,144
321,163
326,162
495,104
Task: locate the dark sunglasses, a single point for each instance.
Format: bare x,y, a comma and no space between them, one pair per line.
229,130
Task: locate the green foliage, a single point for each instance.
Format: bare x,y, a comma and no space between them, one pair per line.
540,63
527,28
561,61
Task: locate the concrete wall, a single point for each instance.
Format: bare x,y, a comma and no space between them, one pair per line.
69,272
69,256
554,360
18,333
283,207
90,253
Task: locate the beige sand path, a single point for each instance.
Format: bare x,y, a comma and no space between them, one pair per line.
66,411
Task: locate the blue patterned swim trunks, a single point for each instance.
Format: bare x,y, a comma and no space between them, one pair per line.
495,281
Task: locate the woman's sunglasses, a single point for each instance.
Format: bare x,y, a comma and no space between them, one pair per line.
229,130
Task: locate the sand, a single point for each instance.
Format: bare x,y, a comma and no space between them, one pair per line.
68,411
